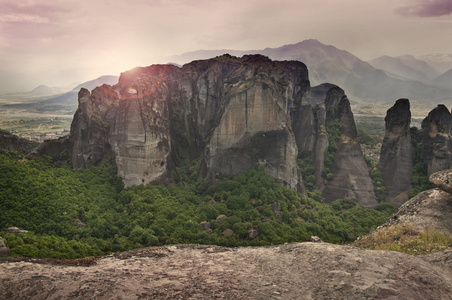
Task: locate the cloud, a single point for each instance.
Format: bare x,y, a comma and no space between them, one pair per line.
19,18
426,8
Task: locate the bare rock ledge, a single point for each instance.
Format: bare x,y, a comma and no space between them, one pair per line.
290,271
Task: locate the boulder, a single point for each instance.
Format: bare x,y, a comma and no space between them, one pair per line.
220,218
252,234
276,206
15,230
228,232
4,250
278,216
442,180
315,239
79,223
205,225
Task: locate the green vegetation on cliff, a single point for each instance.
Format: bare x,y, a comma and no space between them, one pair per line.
77,213
419,179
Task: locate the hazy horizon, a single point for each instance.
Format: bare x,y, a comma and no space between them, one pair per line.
60,43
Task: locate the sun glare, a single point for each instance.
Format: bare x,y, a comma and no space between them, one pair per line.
133,93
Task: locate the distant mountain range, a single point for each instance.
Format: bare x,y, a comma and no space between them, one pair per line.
426,79
381,80
407,67
426,69
50,99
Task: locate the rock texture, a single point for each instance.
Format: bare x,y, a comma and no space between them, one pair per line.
395,163
232,113
15,230
398,153
4,250
291,271
437,139
432,208
350,173
56,149
442,180
10,142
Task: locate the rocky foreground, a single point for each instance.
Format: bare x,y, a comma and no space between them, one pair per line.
291,271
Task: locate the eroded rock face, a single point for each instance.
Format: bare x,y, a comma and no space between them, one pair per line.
437,139
255,128
396,164
321,144
129,120
351,175
233,113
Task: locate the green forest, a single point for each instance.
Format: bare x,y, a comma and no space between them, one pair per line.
78,213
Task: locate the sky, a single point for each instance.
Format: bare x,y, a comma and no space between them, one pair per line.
64,42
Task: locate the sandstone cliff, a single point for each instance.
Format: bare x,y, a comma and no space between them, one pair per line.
396,163
232,113
437,139
350,173
399,151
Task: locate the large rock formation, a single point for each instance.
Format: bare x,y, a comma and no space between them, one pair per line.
229,113
232,113
400,152
350,172
437,139
396,164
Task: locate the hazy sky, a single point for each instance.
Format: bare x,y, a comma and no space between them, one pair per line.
64,41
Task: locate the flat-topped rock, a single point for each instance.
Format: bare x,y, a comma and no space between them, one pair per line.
291,271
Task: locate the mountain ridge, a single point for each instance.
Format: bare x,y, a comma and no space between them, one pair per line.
328,64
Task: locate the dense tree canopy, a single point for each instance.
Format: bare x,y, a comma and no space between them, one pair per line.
52,202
